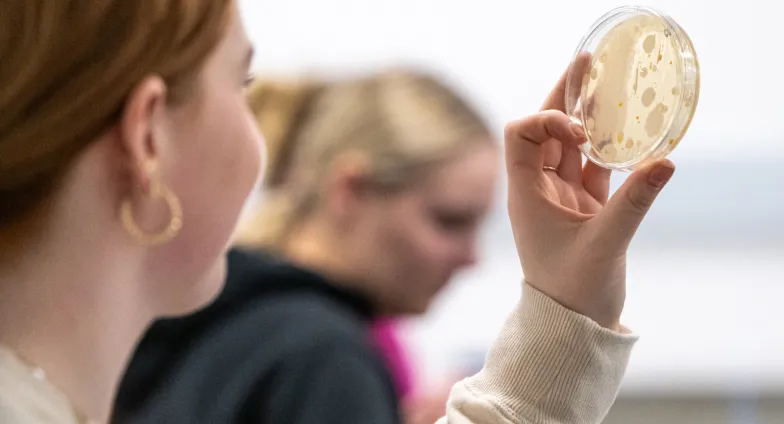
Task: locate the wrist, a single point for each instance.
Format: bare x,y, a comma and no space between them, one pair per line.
617,327
601,316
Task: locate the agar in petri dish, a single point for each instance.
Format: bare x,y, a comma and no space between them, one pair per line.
633,86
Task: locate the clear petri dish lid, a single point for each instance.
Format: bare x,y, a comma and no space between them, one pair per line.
633,86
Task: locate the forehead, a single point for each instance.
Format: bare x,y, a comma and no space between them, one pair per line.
468,179
235,47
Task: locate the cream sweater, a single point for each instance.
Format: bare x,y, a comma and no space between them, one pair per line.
25,399
548,366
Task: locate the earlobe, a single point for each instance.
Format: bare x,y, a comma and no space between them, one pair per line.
141,127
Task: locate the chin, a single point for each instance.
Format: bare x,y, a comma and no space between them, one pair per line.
416,309
419,311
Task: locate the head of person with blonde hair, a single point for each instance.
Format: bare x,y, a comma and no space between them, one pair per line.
379,182
127,151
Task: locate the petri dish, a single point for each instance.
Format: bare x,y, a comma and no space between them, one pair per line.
633,86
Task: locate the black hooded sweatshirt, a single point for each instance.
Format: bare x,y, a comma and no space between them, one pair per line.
280,345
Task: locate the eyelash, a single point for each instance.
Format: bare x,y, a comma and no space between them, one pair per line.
249,79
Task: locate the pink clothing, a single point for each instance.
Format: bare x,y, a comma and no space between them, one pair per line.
398,364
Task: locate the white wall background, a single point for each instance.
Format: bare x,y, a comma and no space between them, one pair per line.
509,53
709,320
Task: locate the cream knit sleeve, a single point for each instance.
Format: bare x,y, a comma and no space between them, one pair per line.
548,366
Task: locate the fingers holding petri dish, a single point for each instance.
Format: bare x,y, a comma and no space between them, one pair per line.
638,96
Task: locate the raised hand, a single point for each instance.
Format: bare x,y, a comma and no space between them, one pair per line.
571,239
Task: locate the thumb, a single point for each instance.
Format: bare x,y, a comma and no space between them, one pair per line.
624,212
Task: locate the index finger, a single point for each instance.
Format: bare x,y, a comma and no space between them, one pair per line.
525,138
573,74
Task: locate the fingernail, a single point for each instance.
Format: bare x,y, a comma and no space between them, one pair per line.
577,130
660,175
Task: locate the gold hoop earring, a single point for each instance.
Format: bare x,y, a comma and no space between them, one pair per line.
158,191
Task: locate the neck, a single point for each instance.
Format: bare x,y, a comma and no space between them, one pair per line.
71,312
317,248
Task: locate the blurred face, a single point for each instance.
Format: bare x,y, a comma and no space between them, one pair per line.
216,161
410,244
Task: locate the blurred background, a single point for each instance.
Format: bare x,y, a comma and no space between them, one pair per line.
705,272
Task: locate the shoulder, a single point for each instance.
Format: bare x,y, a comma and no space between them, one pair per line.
277,302
291,330
309,314
331,378
270,311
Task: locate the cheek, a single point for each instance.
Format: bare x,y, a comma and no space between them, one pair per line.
221,160
225,163
421,245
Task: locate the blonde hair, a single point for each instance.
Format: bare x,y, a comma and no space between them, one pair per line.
67,69
404,122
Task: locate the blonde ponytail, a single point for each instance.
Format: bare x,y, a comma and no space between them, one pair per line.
279,108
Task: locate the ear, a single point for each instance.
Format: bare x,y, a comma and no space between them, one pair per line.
347,189
141,130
